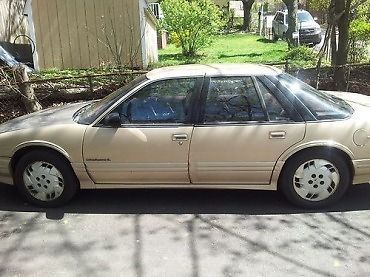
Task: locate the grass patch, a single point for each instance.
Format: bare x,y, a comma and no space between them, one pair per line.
232,48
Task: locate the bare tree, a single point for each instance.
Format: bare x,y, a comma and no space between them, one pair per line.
343,11
292,6
247,6
16,80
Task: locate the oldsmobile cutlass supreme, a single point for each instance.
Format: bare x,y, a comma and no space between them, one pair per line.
195,126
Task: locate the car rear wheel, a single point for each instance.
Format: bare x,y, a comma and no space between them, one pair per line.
45,179
274,36
313,179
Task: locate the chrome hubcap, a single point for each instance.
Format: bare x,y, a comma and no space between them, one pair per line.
316,180
43,181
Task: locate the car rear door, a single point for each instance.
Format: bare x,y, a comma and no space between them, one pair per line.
152,143
244,126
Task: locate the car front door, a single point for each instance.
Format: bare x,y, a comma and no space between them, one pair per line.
151,145
244,126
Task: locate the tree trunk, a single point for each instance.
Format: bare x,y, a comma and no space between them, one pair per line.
27,93
341,55
333,44
247,6
292,6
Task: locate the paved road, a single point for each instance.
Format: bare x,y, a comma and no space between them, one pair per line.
184,233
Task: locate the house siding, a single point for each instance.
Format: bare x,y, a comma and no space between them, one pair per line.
90,33
12,21
151,40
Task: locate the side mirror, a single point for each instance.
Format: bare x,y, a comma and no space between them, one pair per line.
113,120
315,18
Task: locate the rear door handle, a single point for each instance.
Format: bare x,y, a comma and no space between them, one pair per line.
179,137
277,135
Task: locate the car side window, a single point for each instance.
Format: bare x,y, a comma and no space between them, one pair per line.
166,101
233,99
280,18
274,109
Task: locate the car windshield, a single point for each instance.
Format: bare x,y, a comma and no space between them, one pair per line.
304,17
90,113
322,105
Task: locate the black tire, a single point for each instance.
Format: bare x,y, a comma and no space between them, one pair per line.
284,37
71,184
286,184
274,36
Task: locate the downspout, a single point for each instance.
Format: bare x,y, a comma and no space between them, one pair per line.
142,6
31,32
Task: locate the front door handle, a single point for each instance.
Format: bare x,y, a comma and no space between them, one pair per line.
277,135
179,137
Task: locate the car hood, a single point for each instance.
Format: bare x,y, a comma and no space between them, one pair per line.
308,25
47,117
351,97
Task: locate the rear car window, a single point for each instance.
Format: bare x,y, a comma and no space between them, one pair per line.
322,106
233,99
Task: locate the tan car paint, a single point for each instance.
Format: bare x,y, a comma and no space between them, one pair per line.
137,154
339,135
244,154
66,139
148,157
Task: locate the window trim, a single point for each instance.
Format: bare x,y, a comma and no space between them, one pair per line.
262,100
302,110
198,85
283,99
290,110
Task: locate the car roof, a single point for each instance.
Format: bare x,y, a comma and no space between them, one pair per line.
196,70
298,11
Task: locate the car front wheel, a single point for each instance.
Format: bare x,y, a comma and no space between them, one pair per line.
274,36
317,178
45,179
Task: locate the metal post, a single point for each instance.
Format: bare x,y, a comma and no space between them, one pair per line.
91,85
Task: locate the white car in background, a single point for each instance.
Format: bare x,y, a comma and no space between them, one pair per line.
309,29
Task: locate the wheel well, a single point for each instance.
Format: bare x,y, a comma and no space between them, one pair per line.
21,152
337,151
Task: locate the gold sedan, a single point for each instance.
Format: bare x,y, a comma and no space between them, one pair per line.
195,126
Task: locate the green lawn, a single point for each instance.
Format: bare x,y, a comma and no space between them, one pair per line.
233,48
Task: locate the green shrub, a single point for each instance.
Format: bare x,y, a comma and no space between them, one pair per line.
302,56
191,24
359,40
